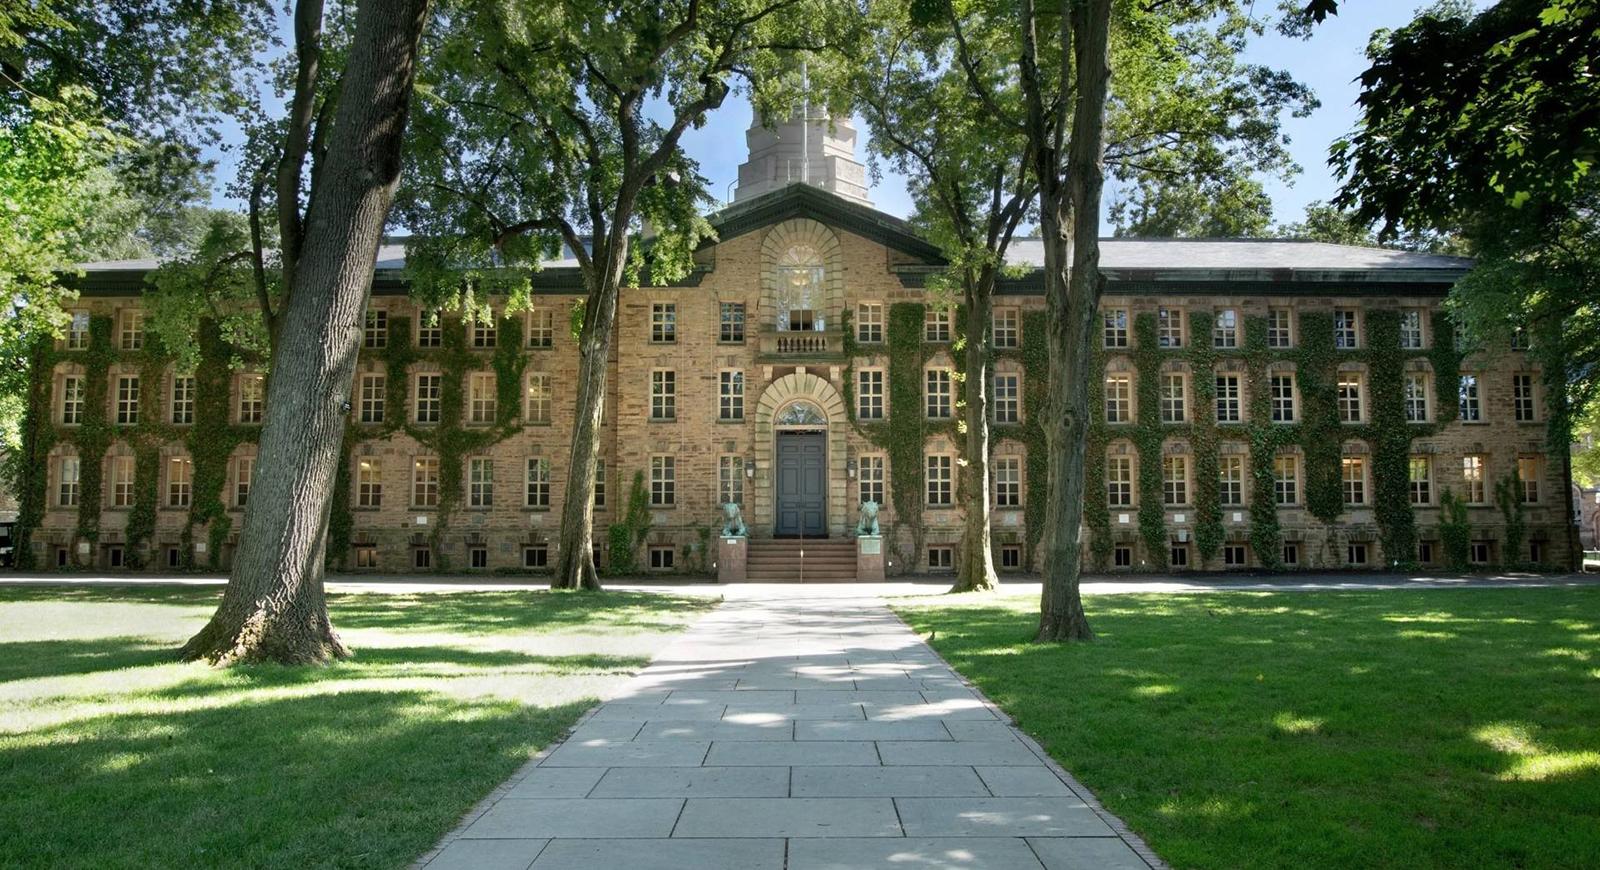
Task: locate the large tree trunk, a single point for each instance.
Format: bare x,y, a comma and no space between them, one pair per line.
1073,298
976,571
575,568
273,608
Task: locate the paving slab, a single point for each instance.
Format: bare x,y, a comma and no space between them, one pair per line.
714,854
561,817
789,817
954,781
921,853
795,732
722,782
999,817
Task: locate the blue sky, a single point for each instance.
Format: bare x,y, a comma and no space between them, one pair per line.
1329,62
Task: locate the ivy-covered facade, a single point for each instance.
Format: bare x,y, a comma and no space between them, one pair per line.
1264,405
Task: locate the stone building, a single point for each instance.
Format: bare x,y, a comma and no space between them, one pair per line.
1265,404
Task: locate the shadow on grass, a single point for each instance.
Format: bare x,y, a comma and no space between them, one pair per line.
511,611
352,778
33,659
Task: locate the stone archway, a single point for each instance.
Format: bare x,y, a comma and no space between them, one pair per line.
781,393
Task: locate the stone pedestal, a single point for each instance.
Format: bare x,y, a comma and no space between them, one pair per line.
869,558
731,558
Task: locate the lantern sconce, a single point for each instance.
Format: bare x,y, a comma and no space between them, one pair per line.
750,467
850,467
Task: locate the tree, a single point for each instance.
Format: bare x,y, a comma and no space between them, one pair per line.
1484,125
1327,223
563,128
968,177
274,607
1235,207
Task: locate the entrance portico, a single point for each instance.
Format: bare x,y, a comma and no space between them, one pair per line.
800,486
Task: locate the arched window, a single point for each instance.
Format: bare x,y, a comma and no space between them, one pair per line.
801,414
799,299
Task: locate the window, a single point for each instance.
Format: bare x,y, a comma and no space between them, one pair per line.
731,315
128,399
1007,482
1230,480
1178,557
663,394
1116,327
78,331
869,479
663,481
1349,398
730,479
731,396
1471,410
373,391
1006,400
1169,327
1478,553
180,481
1225,329
1416,397
938,393
182,400
425,481
599,487
1007,327
1279,332
1119,398
1119,481
422,558
1230,407
122,481
663,323
537,482
1419,477
481,399
427,398
936,324
1475,490
1281,390
869,394
941,479
1286,480
1175,480
1122,557
1345,335
537,410
72,400
1173,409
478,557
1353,474
536,557
1536,552
798,294
483,331
430,330
132,330
1010,557
1425,552
68,488
1529,472
369,483
1355,553
541,328
661,557
1411,329
480,482
243,469
1522,403
251,393
941,558
869,323
1233,556
1291,554
376,331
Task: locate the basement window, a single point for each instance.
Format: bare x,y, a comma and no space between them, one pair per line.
1479,553
1425,552
1180,556
478,557
1356,554
1010,557
536,557
173,558
366,557
662,557
1233,556
941,558
1122,557
422,558
114,557
1291,554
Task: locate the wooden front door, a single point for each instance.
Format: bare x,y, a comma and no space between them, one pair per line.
802,494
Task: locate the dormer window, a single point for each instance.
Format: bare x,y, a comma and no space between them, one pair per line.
799,297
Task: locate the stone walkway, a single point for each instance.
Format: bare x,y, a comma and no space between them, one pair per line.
786,734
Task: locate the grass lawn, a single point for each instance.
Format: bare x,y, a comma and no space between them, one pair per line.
1449,728
112,754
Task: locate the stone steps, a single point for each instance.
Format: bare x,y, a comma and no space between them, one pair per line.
783,560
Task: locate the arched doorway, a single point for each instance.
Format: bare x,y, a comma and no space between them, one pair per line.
800,471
